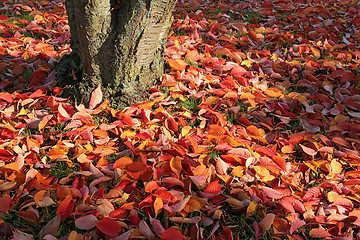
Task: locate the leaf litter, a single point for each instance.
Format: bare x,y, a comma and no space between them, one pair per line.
252,132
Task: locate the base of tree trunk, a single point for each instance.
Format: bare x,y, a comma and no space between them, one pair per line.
118,45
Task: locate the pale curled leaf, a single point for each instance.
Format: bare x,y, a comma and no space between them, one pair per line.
96,97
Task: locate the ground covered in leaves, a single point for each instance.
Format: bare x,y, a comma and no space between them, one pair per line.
252,133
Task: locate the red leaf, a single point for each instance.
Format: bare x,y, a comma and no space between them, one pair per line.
109,227
296,225
240,152
312,193
66,207
5,201
172,234
213,187
267,221
280,162
6,96
4,18
86,222
156,226
96,97
178,206
308,151
271,193
265,150
295,139
145,230
319,233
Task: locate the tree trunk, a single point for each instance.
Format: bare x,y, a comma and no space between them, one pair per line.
120,44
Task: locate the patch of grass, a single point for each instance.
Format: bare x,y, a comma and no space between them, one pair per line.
243,106
12,216
27,73
213,153
240,34
293,124
64,230
252,16
61,127
191,104
243,226
180,33
61,169
29,131
223,57
193,122
112,157
192,63
294,89
103,118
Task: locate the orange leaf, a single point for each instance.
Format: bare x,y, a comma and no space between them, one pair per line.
308,151
56,153
177,64
336,167
216,131
263,173
194,204
109,227
254,131
122,162
193,55
316,52
158,205
63,113
175,165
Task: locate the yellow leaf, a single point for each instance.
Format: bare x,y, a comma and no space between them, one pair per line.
22,112
336,167
247,63
251,209
263,173
238,171
316,52
333,196
127,134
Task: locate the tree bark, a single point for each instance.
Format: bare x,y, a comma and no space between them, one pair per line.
120,44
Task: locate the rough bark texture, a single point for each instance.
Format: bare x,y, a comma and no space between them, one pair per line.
120,44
